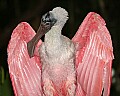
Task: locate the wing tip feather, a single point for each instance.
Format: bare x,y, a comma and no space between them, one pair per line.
91,17
97,17
23,30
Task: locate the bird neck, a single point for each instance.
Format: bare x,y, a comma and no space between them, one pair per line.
53,37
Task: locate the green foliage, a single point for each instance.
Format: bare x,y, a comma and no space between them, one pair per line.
5,84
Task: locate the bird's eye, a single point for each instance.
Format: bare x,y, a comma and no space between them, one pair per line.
47,23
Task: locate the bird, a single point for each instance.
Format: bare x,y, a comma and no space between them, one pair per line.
60,66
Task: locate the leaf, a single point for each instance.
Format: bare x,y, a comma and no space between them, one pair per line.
6,87
1,75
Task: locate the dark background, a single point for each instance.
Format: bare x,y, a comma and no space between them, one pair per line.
13,12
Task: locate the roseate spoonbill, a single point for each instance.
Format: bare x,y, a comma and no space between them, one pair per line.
60,66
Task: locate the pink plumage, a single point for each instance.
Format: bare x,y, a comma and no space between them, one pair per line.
94,57
25,72
93,60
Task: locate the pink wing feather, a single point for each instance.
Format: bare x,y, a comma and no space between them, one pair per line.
93,59
94,56
25,72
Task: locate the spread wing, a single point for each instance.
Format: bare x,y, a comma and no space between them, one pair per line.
25,72
94,54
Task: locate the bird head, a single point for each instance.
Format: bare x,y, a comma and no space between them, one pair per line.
58,16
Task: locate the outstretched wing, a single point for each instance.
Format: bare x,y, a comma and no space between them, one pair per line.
25,72
94,55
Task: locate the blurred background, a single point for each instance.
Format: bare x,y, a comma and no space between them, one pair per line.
13,12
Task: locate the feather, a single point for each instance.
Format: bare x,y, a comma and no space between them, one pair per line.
94,54
25,72
93,60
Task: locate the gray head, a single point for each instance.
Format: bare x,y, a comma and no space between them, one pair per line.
58,16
